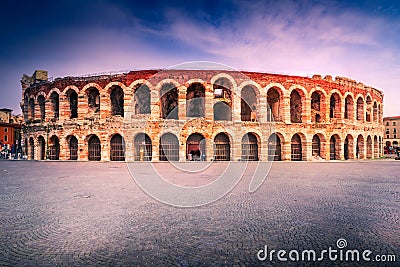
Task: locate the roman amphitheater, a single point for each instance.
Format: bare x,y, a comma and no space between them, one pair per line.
190,115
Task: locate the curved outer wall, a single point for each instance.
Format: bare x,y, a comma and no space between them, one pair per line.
346,116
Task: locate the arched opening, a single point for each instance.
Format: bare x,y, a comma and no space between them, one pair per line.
196,147
360,109
142,99
55,102
42,148
223,96
274,148
93,100
42,107
349,107
31,148
195,100
295,107
169,101
117,148
369,147
376,145
274,103
143,147
222,147
360,147
249,104
375,113
73,103
117,101
395,144
94,148
316,111
348,147
380,146
334,110
32,109
73,147
316,146
169,147
222,111
250,147
369,107
296,148
54,148
334,147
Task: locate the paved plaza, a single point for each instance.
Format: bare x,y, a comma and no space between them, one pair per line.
93,213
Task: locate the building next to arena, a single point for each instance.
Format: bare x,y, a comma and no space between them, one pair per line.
207,115
392,134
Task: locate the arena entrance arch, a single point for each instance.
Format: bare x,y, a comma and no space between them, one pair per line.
54,148
94,148
222,147
169,147
73,147
274,148
296,148
316,146
143,147
250,147
117,148
196,147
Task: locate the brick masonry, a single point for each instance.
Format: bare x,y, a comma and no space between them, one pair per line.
345,115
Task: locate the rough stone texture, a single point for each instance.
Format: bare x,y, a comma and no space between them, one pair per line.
86,214
346,115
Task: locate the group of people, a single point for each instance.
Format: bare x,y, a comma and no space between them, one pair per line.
15,152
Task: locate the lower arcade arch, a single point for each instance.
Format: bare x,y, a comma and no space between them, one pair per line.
54,148
274,148
196,147
316,146
72,147
334,147
222,147
143,147
117,148
250,147
169,147
296,148
94,148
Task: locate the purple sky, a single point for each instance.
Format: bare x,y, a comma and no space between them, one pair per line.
359,40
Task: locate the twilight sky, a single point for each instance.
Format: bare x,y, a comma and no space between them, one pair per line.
359,39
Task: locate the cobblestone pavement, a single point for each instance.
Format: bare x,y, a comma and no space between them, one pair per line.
84,214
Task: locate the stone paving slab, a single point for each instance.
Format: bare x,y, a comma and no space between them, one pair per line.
94,214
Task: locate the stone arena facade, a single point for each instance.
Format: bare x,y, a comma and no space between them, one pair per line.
184,115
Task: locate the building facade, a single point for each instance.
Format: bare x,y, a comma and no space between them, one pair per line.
186,115
392,134
10,129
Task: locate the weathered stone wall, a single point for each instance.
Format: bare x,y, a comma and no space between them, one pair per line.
346,116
